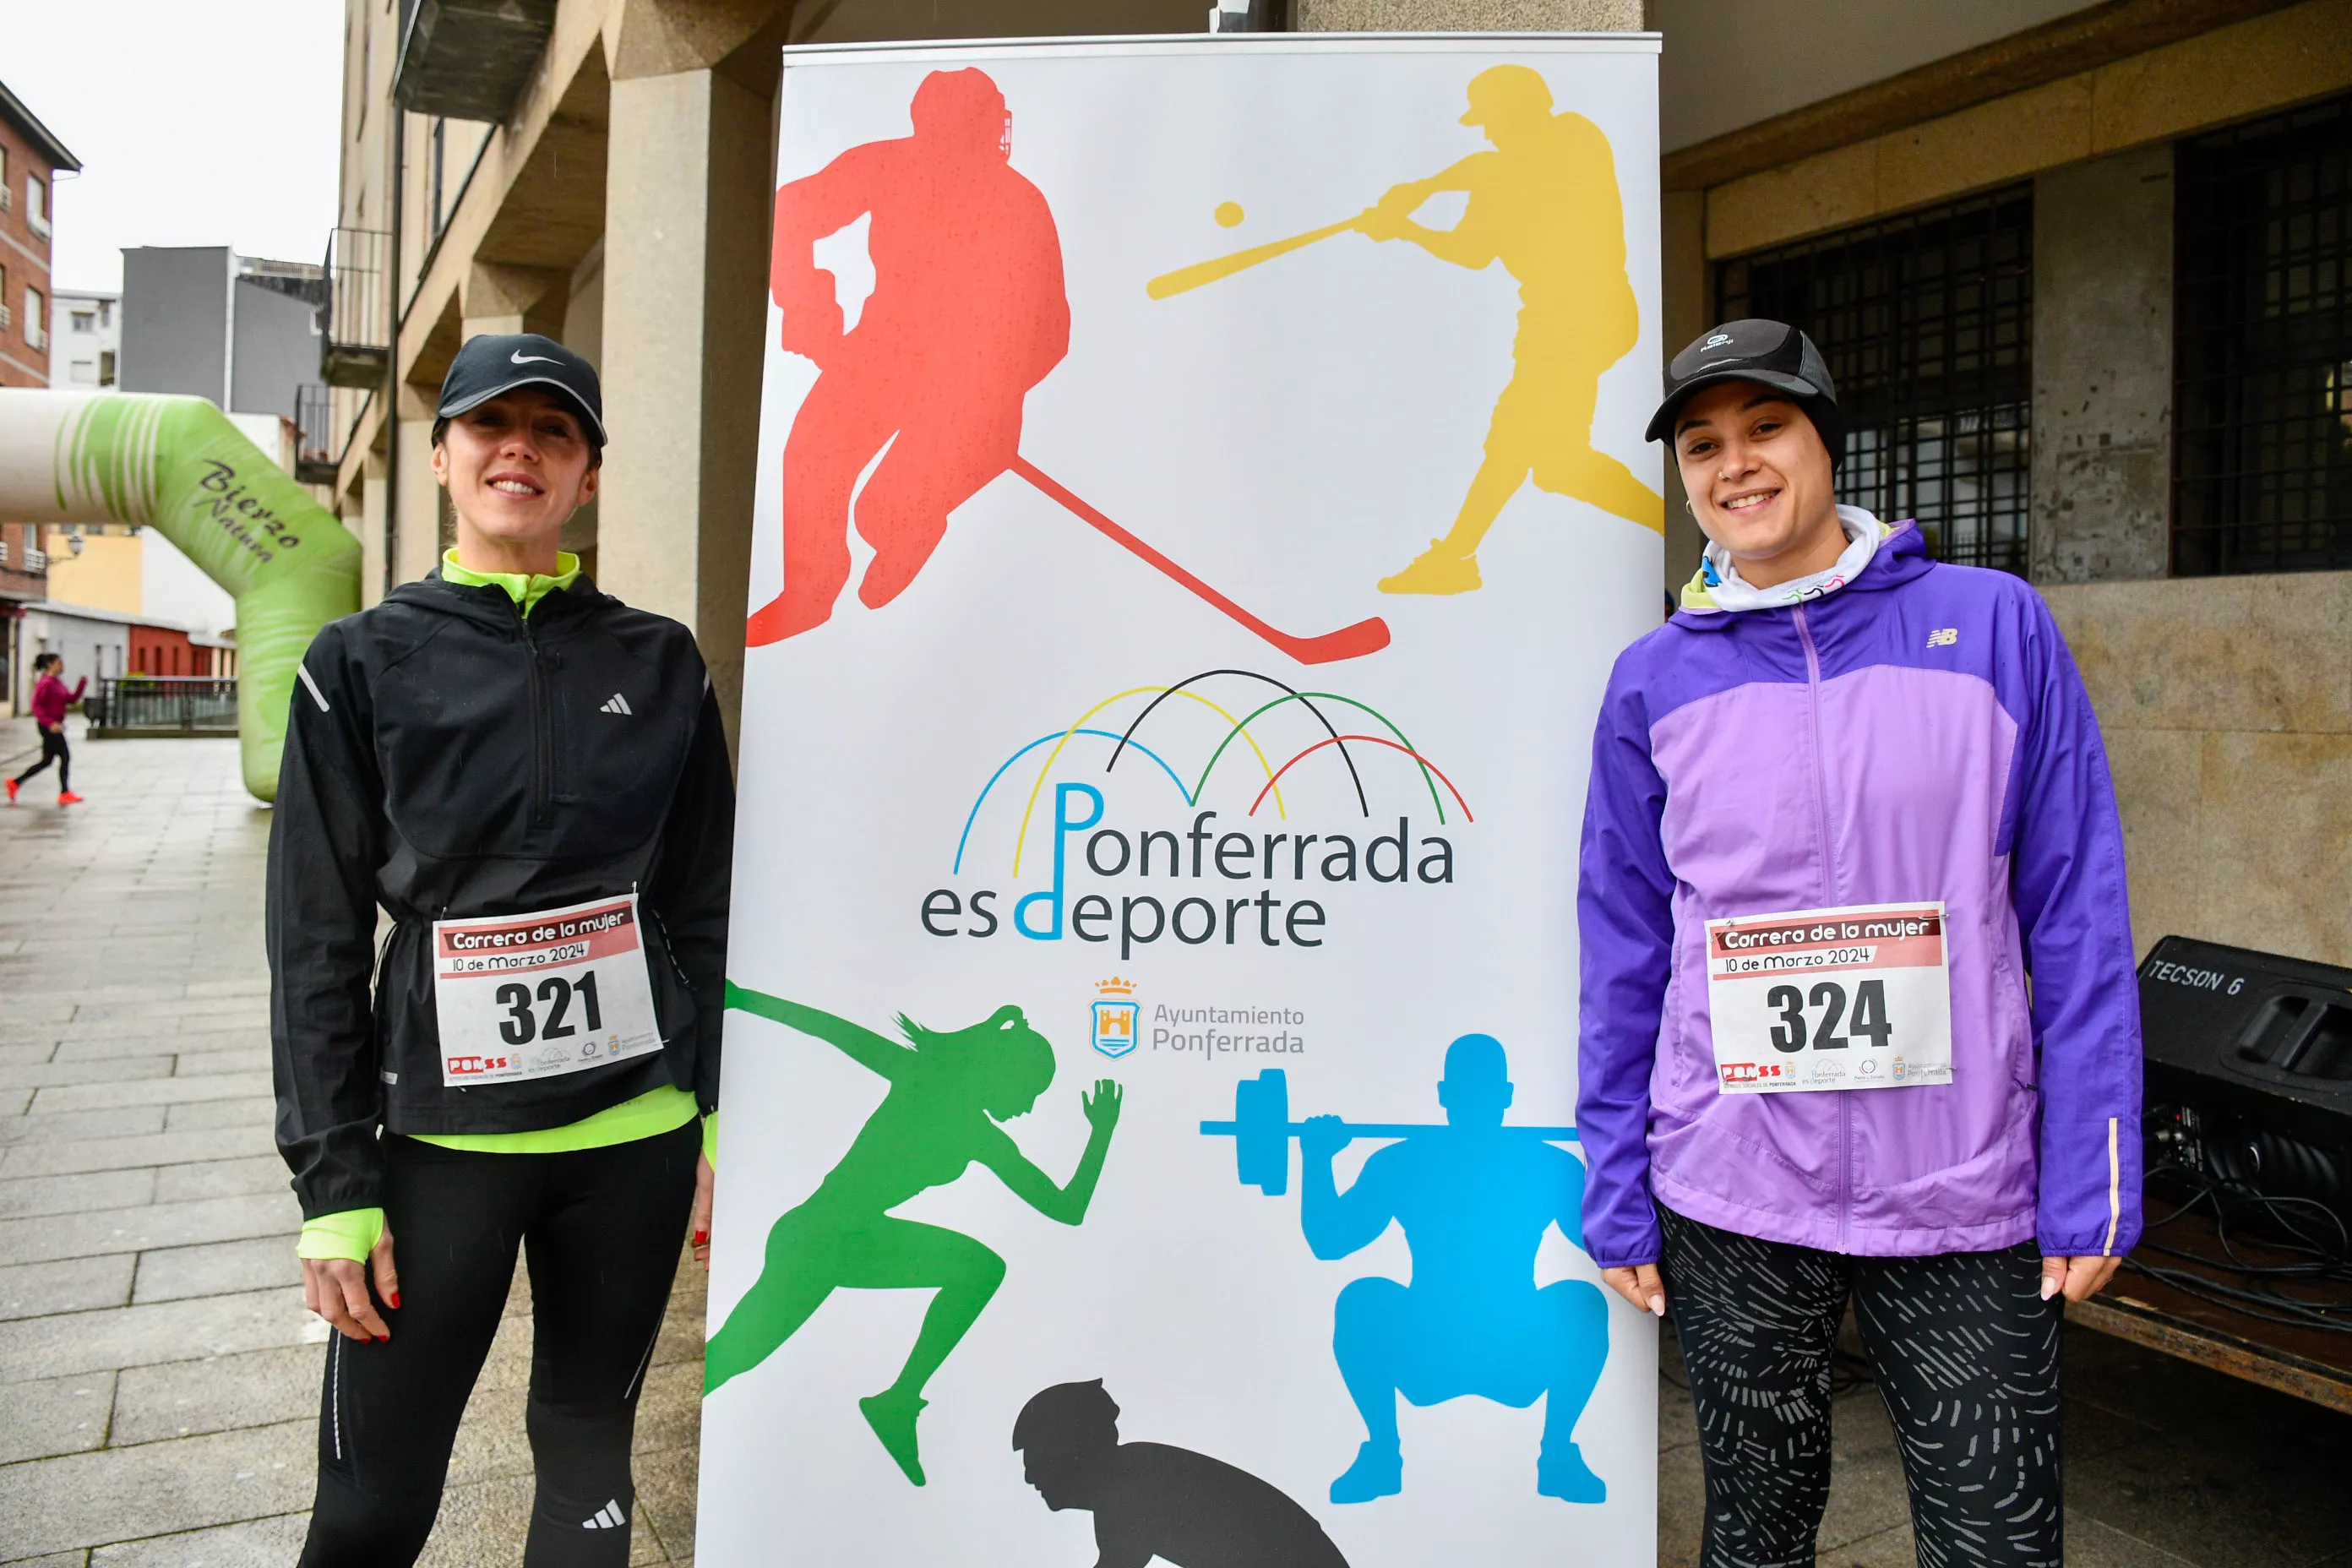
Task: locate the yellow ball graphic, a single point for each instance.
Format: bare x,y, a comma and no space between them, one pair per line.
1228,214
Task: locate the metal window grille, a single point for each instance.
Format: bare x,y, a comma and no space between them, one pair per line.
1926,322
2263,359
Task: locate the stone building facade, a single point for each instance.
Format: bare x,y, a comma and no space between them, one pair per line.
2068,402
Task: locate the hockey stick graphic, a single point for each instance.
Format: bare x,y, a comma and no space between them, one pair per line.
1348,642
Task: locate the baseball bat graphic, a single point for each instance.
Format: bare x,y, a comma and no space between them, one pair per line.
1186,277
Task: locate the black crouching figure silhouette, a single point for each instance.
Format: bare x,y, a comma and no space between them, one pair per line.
1150,1501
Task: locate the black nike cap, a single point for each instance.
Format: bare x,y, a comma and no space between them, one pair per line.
494,364
1771,353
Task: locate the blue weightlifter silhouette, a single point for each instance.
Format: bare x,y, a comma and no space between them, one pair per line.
1475,1198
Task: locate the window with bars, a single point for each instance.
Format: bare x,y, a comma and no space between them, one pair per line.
1926,322
2263,361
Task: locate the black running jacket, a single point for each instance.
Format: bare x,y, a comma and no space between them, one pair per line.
446,757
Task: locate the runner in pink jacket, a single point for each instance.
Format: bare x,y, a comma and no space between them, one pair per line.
1844,806
50,700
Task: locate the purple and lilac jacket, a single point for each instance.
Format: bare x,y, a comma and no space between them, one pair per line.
1920,733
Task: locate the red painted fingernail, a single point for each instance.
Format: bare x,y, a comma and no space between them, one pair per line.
701,1237
393,1301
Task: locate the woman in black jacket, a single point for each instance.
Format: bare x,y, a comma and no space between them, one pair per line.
530,778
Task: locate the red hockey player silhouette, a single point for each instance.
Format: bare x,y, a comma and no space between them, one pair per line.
967,314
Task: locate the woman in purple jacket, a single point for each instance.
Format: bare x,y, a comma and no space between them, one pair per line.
1844,806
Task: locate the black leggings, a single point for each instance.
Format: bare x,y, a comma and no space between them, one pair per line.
1966,1355
601,1229
53,750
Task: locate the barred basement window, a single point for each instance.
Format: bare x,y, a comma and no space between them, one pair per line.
1926,322
2263,362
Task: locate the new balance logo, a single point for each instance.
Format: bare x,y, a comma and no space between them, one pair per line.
1945,636
616,703
609,1517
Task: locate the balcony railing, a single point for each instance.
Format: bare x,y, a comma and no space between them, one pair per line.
147,705
317,446
356,326
31,560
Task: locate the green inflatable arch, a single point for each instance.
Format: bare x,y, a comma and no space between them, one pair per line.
178,466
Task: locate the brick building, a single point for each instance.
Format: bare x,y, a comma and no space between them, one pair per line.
31,156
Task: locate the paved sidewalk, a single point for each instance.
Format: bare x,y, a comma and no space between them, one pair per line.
159,1379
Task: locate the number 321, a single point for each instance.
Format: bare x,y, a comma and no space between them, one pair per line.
1869,1020
520,1026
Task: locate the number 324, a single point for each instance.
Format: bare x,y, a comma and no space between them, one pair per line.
1869,1019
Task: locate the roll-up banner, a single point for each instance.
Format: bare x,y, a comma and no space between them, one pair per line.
1201,495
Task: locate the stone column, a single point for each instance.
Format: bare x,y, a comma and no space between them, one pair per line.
415,544
2102,368
1687,309
494,297
685,254
372,524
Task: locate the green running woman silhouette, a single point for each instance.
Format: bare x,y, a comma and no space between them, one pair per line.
948,1093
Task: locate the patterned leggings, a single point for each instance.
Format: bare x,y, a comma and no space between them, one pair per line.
1966,1354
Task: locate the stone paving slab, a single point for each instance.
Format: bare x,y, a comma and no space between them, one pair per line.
91,1048
161,1331
46,1075
258,1543
33,1196
56,1416
218,1113
66,1099
155,1225
67,1285
156,1488
63,1156
178,1011
221,1179
16,1127
217,1394
217,1268
252,1057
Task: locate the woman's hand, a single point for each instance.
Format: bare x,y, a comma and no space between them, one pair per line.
1639,1285
705,1181
337,1290
2077,1278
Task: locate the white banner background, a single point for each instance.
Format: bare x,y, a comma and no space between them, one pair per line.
1292,434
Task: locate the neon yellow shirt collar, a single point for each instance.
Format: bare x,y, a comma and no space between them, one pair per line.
526,591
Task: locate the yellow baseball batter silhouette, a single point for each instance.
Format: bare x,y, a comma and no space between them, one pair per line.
1544,202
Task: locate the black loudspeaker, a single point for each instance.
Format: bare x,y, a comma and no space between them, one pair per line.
2250,1085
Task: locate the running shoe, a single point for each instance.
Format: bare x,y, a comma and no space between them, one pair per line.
67,797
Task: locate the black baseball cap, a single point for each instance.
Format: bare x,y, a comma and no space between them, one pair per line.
1772,353
500,361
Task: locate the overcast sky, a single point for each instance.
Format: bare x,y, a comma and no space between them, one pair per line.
196,122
